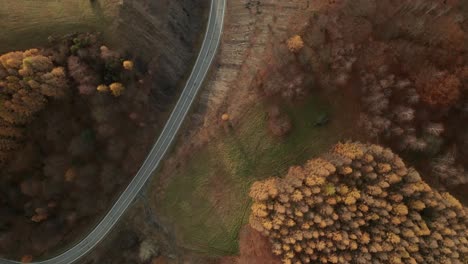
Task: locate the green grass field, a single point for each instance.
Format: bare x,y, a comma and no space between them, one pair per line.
28,23
207,201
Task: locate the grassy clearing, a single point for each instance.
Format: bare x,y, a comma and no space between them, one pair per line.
28,23
207,200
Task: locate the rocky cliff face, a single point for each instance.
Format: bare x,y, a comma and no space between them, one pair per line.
164,34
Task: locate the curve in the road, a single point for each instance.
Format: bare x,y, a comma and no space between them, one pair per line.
194,82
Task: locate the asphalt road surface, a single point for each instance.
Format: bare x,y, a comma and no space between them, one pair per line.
202,65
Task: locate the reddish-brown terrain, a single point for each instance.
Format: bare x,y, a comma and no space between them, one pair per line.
253,249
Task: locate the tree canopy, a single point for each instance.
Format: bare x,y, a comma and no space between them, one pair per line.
359,203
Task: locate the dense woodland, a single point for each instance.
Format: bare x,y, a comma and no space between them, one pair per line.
75,124
410,66
403,64
76,118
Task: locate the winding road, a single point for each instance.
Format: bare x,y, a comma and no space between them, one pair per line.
202,65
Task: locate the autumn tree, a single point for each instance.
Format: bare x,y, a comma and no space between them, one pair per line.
358,203
446,32
295,43
438,88
116,89
83,74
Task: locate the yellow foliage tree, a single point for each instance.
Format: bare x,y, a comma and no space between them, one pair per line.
295,43
116,89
